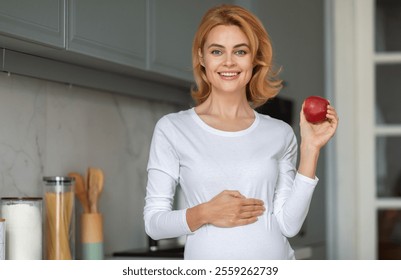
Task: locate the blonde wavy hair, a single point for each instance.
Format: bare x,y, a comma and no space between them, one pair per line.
263,84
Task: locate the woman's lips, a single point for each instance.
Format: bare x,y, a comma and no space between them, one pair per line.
229,75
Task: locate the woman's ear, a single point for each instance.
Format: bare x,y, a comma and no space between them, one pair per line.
201,57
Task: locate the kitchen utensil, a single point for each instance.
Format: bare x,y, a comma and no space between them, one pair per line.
92,236
81,190
96,178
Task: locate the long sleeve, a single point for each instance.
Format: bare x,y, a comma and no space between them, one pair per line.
259,162
161,221
293,192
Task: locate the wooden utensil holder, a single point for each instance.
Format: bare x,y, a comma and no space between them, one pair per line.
92,236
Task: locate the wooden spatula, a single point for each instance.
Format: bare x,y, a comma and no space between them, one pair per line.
80,190
96,179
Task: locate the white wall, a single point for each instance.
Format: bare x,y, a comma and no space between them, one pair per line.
51,129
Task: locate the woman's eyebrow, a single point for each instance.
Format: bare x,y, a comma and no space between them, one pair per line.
222,47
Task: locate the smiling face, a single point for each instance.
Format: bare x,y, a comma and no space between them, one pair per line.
227,59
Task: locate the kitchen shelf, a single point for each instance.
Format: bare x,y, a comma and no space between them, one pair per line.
388,130
388,203
387,58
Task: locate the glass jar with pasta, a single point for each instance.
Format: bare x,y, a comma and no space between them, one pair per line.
59,218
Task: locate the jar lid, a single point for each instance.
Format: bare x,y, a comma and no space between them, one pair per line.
22,198
58,179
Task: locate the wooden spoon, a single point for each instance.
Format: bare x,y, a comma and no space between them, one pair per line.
81,190
96,179
101,181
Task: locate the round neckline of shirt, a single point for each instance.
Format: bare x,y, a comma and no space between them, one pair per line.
216,131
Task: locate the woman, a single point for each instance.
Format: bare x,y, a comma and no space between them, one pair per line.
236,167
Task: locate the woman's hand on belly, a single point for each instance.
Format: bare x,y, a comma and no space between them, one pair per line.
227,209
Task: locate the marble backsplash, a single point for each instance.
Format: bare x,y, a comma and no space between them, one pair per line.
51,129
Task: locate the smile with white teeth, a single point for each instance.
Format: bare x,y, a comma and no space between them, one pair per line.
229,74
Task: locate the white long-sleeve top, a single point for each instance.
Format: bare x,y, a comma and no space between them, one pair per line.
259,162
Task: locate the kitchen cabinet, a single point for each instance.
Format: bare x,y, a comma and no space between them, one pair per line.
121,39
173,25
39,21
129,37
145,34
114,31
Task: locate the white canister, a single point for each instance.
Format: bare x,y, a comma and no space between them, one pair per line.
2,239
24,227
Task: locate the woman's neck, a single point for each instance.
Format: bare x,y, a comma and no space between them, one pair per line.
226,106
226,112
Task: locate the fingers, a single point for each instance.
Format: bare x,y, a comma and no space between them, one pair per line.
331,112
244,201
332,115
235,194
252,201
250,209
246,215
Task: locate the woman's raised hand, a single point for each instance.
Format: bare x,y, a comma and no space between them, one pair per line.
313,138
317,135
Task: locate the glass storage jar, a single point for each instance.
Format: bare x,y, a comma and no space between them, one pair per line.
59,218
2,239
23,218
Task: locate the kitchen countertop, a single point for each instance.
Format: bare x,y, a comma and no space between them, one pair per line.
167,253
301,253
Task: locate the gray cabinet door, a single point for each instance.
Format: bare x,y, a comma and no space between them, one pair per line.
173,26
39,21
113,31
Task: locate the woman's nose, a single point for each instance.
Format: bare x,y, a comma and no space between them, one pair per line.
229,60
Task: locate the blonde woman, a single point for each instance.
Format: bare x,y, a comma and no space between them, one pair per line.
236,167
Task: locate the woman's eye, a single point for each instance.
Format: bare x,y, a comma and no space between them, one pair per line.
241,52
216,52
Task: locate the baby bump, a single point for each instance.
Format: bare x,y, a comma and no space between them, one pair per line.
260,240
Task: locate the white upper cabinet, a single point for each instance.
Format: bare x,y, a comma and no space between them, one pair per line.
39,21
148,38
114,31
173,25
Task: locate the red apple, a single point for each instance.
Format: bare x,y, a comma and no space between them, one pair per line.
315,109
